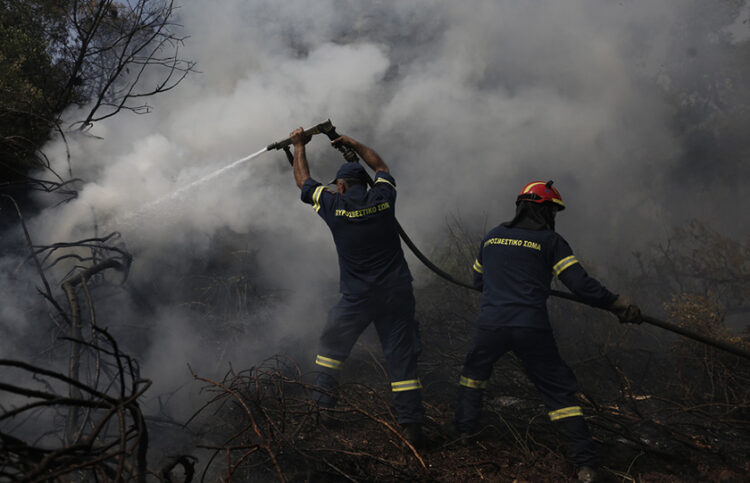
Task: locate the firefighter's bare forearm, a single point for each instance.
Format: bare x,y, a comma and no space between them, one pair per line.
370,157
299,166
367,154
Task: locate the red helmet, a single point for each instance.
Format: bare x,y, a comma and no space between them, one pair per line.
541,192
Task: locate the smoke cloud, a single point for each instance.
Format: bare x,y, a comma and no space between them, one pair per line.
465,102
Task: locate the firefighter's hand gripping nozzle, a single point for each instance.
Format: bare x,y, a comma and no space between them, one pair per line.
325,127
317,129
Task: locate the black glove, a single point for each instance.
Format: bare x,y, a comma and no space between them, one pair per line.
626,310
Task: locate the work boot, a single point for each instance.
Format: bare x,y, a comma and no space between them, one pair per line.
325,392
413,434
587,474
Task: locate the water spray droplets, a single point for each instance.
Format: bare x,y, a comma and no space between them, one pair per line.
175,194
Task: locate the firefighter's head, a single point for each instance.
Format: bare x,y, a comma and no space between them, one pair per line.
537,206
348,175
542,193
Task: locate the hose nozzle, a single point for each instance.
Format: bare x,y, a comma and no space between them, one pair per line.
324,127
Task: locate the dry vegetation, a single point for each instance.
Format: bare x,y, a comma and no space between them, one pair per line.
661,408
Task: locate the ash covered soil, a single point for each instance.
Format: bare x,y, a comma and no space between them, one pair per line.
641,437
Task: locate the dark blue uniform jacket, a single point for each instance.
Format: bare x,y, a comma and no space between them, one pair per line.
514,270
363,225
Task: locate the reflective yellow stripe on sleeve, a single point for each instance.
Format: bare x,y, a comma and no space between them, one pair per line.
563,413
563,264
472,383
477,266
316,197
409,385
328,362
383,180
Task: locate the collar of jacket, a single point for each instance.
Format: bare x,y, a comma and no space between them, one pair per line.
356,191
533,216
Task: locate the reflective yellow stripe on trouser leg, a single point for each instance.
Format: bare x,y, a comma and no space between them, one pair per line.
328,362
408,385
563,413
472,383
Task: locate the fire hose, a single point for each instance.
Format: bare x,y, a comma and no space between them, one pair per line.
329,130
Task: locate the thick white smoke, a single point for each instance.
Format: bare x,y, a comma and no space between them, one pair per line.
466,102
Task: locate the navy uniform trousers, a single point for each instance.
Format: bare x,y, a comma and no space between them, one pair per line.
392,312
555,381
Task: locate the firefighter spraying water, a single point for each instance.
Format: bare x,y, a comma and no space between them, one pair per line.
375,281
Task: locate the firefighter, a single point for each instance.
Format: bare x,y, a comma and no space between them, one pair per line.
514,270
375,281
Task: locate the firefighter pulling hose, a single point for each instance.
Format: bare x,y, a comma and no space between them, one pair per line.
350,155
514,269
